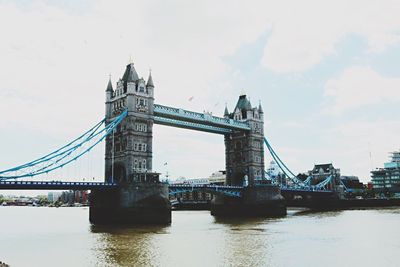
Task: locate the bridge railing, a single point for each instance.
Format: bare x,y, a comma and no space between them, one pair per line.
55,185
233,191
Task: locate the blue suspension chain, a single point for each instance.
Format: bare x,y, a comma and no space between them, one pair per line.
41,159
92,133
282,165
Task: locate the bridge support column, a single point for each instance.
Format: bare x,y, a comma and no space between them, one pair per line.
135,203
256,201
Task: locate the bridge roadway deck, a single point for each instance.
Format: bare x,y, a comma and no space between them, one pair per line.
54,185
58,185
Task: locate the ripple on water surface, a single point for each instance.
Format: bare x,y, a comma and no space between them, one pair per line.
64,237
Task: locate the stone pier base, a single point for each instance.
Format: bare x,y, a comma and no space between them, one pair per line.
136,203
257,201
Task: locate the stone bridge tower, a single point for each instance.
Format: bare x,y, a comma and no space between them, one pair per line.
139,197
244,165
128,156
245,150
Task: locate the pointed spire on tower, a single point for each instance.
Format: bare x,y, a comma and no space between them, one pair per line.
130,74
109,86
260,108
243,103
226,113
150,80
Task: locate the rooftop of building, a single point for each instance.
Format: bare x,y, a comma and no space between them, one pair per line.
326,167
243,103
395,156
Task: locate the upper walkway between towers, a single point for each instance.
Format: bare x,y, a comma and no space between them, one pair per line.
178,117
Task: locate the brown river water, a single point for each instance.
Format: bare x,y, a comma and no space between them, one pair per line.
31,236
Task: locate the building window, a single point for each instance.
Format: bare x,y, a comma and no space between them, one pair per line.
257,144
238,145
141,127
140,147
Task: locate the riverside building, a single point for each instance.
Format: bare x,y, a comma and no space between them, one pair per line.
387,179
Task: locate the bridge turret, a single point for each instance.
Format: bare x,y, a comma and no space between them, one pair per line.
260,111
150,85
129,78
130,82
226,112
109,95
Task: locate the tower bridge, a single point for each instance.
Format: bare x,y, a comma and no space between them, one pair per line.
132,191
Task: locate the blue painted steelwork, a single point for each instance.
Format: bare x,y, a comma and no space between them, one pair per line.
190,125
324,183
299,185
308,180
232,191
163,115
54,185
345,187
199,118
65,155
283,166
62,150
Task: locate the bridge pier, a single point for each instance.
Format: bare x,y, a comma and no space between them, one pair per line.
134,203
256,201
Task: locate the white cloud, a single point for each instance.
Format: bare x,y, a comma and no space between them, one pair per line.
360,86
55,63
361,146
60,57
305,32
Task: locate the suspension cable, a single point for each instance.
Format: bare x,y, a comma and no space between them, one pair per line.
54,160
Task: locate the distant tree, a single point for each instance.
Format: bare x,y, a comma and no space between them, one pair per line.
43,200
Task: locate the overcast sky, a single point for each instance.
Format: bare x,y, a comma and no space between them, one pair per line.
327,74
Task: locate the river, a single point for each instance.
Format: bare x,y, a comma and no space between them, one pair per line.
32,236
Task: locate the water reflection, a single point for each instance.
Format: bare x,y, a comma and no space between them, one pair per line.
193,239
243,221
127,246
317,214
247,241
